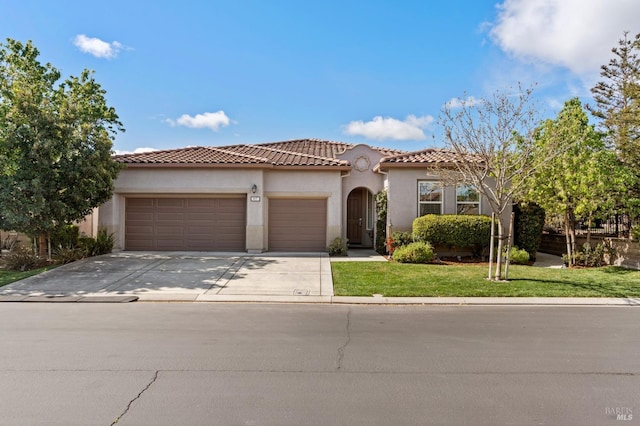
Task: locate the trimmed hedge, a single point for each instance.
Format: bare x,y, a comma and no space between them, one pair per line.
419,252
461,231
528,224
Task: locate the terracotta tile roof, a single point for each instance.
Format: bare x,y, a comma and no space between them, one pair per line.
192,155
323,148
267,155
294,153
428,156
317,147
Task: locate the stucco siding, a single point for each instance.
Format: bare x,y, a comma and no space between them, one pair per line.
403,198
364,159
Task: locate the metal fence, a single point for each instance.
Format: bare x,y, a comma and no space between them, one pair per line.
618,226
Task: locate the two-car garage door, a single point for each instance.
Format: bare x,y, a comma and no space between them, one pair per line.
189,224
219,224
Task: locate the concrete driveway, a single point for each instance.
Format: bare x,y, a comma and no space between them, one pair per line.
181,276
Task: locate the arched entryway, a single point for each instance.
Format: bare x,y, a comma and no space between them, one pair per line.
360,218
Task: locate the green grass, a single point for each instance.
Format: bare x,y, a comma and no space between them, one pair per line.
396,279
7,277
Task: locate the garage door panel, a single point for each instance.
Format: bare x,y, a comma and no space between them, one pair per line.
185,224
201,203
297,225
169,230
170,217
141,216
199,216
133,203
169,202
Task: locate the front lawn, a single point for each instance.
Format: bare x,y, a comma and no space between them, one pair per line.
396,279
7,277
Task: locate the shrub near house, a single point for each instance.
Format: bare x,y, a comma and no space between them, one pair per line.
454,231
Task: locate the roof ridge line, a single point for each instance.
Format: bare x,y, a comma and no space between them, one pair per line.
317,157
240,154
420,151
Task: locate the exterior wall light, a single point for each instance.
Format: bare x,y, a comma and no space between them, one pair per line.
254,188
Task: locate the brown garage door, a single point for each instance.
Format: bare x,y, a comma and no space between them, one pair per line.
191,224
297,225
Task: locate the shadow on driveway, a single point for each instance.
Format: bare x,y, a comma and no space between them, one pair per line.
183,276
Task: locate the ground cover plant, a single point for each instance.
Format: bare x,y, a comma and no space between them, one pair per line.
469,280
7,277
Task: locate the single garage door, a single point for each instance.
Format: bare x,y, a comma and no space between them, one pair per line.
297,225
188,224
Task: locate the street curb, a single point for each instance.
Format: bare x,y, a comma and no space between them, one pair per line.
326,300
417,301
488,301
55,298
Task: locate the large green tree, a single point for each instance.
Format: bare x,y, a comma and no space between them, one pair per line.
55,143
584,178
617,99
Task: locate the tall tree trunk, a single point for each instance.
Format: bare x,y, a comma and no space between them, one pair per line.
570,231
491,242
589,229
567,237
49,245
509,239
498,273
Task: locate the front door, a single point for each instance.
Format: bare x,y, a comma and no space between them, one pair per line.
354,216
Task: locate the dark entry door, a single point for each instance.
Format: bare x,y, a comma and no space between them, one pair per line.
354,216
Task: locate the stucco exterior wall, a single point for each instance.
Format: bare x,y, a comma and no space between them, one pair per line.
363,159
403,198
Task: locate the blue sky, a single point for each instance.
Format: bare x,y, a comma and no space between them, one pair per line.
377,72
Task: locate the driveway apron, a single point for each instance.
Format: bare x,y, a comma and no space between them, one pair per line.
182,276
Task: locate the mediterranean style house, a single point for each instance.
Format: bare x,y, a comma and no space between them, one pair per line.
295,196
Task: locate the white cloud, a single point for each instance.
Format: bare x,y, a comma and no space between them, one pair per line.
455,103
211,120
381,128
576,34
136,151
96,47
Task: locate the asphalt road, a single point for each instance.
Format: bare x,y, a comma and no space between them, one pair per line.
233,364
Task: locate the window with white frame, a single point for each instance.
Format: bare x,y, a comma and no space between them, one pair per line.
429,197
467,199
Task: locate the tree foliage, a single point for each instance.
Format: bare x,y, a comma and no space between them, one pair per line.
528,225
583,178
55,143
617,98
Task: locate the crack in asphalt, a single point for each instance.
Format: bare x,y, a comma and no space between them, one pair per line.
126,410
342,348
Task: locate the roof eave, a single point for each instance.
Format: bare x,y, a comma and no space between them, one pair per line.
412,165
196,166
233,166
